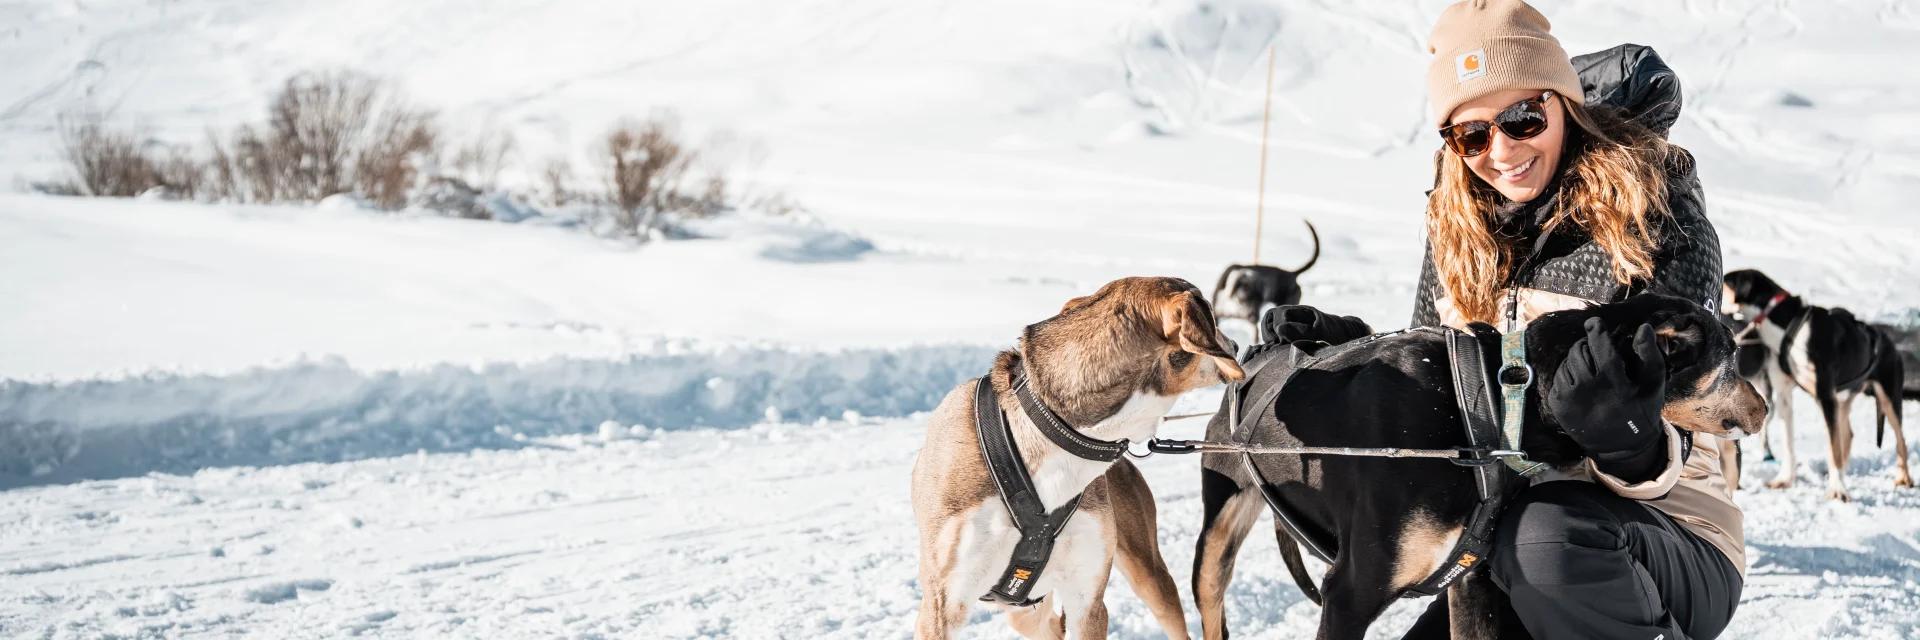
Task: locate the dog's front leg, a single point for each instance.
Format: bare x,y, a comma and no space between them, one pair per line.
1730,464
1836,408
940,614
1350,603
942,611
1230,512
1783,405
1085,561
1473,607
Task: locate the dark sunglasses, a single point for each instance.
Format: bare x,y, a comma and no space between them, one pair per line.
1525,119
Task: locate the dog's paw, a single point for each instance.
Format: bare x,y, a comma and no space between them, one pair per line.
1839,494
1903,482
1780,483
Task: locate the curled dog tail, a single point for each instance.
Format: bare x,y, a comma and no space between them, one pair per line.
1316,250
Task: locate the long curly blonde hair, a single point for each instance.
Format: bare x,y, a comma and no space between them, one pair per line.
1616,191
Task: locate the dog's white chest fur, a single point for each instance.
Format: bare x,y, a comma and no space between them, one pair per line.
1080,552
1799,367
1063,475
986,543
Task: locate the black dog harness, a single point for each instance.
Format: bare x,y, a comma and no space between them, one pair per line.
1038,528
1492,411
1799,323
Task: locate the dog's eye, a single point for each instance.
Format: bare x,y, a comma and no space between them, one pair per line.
1179,359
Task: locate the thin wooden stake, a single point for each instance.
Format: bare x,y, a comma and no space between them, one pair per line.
1260,203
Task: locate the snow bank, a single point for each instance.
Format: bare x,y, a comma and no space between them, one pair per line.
326,410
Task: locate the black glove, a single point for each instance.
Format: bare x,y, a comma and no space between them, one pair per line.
1292,323
1609,402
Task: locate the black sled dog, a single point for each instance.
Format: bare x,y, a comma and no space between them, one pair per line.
1830,355
1246,291
1393,526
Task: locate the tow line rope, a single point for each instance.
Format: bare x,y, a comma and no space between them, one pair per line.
1467,456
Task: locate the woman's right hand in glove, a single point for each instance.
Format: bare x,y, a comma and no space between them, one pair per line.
1287,324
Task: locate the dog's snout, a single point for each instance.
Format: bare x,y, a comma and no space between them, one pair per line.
1735,430
1750,413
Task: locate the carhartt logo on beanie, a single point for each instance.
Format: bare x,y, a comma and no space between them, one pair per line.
1483,47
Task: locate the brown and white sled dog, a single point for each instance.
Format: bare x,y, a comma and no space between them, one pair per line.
1110,365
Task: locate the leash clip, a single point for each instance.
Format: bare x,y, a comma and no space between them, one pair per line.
1473,457
1482,456
1157,445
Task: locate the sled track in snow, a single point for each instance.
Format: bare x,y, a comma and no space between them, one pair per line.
328,411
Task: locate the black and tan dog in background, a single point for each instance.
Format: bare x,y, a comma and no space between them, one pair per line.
1110,365
1828,354
1392,521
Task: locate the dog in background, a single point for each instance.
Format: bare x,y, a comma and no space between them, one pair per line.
1906,340
1391,522
1109,365
1247,290
1830,355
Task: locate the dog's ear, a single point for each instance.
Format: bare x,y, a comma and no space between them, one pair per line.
1075,303
1188,322
1681,338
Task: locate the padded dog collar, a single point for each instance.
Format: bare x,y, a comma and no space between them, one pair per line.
1056,429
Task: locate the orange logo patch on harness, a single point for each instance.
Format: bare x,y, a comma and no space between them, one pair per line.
1467,559
1022,574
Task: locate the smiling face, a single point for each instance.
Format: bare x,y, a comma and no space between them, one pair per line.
1518,169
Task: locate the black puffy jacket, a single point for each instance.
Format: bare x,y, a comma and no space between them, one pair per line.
1634,82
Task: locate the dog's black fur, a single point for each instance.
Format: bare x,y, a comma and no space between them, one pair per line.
1396,391
1245,291
1906,340
1847,357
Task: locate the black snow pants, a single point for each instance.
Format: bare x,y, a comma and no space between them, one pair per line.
1578,561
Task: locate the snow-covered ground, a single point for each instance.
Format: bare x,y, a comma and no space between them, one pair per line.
297,421
779,530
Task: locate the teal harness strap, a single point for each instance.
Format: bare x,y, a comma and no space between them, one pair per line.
1515,376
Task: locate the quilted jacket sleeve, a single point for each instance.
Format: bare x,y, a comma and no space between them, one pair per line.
1688,263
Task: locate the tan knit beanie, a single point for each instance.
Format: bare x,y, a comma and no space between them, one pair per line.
1482,47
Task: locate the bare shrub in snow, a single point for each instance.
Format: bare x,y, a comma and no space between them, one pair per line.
182,174
716,162
775,202
727,155
645,163
105,161
481,159
316,125
712,199
246,167
387,162
557,177
326,133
